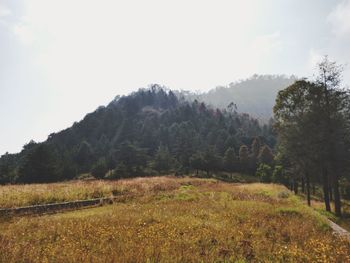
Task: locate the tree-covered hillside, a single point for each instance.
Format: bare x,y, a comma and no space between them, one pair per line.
255,96
150,131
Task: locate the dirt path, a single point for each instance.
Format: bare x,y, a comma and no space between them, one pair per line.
338,230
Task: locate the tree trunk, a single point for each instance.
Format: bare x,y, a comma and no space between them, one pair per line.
325,190
296,187
330,190
291,184
308,189
337,201
313,189
327,141
303,185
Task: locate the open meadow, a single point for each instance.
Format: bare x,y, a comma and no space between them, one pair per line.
168,219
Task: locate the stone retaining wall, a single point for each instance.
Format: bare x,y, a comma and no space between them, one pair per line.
49,208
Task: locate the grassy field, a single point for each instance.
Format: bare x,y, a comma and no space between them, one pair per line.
35,194
166,219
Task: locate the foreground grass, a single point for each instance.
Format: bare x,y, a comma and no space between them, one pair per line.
179,220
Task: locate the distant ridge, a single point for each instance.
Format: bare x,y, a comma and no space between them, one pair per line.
255,95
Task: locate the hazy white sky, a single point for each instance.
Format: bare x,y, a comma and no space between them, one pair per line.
60,59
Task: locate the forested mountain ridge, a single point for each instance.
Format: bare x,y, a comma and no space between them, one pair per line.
255,95
149,131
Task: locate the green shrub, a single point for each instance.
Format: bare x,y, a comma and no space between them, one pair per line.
264,172
99,169
283,194
279,176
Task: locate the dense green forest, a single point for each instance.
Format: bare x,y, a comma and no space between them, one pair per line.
151,131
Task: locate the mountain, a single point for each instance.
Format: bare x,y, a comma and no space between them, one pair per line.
149,131
255,96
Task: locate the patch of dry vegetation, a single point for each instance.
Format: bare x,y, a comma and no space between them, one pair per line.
35,194
178,220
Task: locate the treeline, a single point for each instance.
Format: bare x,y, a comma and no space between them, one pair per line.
149,132
313,126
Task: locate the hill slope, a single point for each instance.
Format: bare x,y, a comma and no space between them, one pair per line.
149,130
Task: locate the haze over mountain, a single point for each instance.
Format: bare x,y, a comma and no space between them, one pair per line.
255,95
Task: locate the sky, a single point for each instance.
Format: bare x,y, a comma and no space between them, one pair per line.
60,59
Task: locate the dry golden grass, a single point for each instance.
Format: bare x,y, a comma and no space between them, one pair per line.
34,194
178,220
